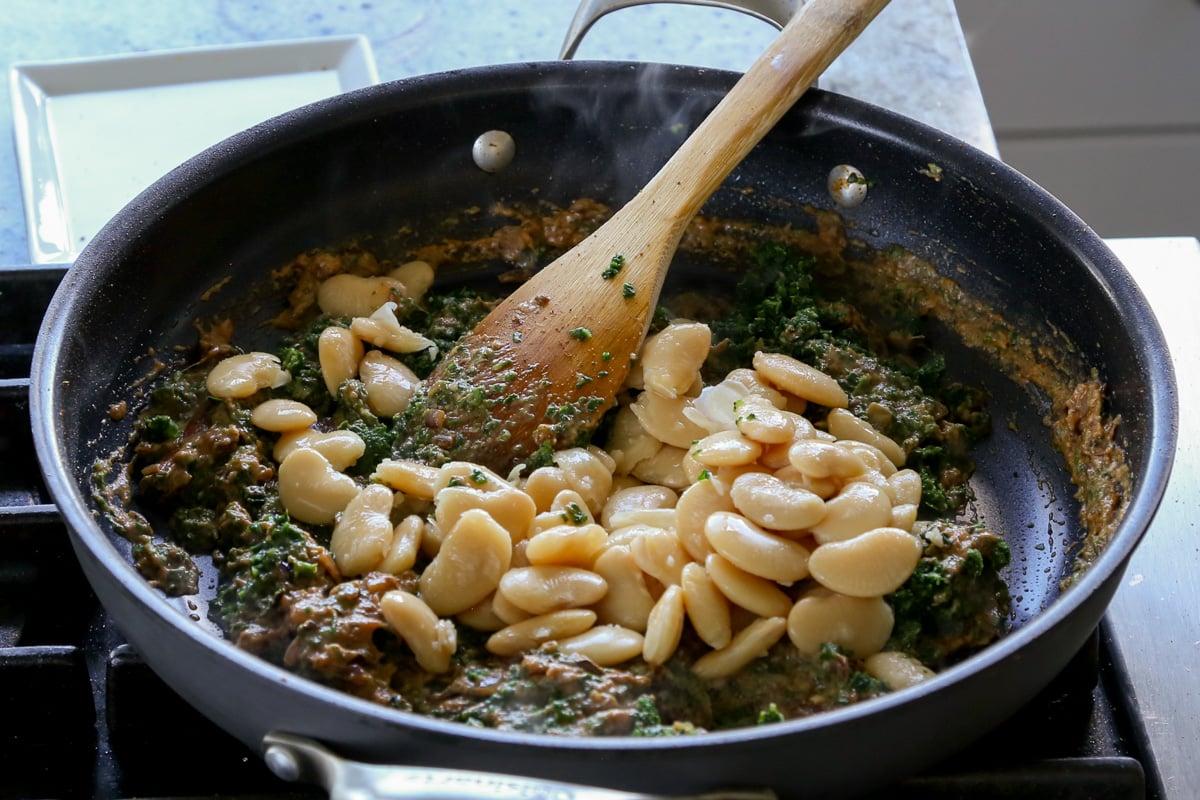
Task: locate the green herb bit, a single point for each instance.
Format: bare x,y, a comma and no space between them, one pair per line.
704,475
162,428
478,477
580,334
516,336
614,266
627,291
574,515
455,481
581,380
606,356
770,714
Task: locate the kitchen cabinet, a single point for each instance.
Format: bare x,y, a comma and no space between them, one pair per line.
1099,102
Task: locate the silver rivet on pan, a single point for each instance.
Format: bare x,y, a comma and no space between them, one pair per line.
282,763
493,151
847,186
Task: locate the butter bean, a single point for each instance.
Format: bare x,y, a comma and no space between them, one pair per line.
341,448
401,556
753,550
759,595
697,503
482,616
512,509
800,379
311,489
757,385
542,589
654,517
760,421
856,509
823,488
752,642
568,545
347,295
383,330
587,474
628,442
821,459
726,448
506,611
706,607
241,376
845,425
859,626
663,418
628,601
664,468
473,556
660,555
544,484
776,504
416,277
904,517
338,351
636,498
390,384
897,670
363,533
281,415
432,640
473,476
531,633
604,645
872,564
904,487
664,627
873,457
672,358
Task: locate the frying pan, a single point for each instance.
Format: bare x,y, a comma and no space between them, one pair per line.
367,164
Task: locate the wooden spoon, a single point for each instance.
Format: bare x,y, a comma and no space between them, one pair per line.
538,373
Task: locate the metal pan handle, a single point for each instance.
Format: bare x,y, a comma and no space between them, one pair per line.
776,12
294,758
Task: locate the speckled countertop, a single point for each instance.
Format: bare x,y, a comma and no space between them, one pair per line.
913,58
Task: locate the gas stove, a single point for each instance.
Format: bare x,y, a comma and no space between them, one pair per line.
84,717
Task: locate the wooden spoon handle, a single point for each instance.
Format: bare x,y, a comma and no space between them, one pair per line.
539,372
807,45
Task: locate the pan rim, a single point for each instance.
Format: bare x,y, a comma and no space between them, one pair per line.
87,535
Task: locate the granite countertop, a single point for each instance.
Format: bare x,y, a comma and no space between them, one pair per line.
913,58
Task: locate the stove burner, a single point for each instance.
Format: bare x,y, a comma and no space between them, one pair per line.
83,716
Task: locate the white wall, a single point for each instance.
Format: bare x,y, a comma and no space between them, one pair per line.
1099,102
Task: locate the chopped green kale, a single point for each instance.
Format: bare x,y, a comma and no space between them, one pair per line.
284,557
955,601
161,428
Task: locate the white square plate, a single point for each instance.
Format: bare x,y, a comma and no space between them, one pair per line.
93,133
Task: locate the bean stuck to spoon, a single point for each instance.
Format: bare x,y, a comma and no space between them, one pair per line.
539,372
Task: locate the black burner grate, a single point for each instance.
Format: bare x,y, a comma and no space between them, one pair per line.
82,716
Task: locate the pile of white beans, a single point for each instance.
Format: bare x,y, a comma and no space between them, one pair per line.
720,507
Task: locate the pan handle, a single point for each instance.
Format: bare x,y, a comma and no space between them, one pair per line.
295,758
776,12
